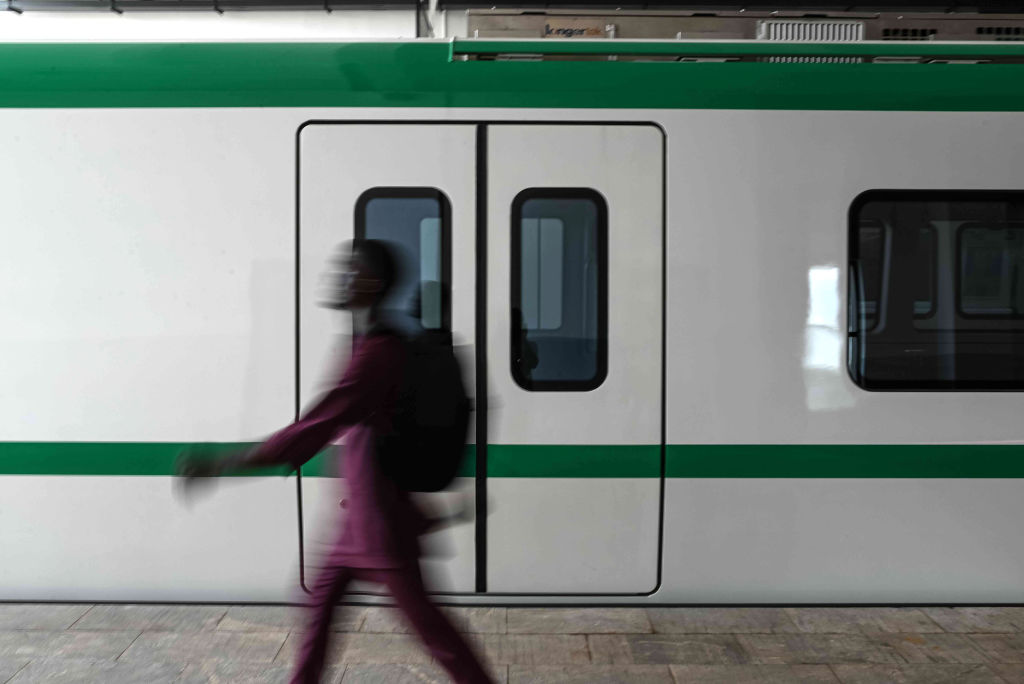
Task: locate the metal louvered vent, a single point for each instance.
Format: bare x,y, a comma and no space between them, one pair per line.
814,60
909,33
1000,32
810,30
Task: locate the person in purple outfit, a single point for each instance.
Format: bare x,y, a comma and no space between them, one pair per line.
378,540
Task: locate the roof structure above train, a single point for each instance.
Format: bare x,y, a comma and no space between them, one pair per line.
759,22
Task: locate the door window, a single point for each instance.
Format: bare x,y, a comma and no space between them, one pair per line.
416,224
559,289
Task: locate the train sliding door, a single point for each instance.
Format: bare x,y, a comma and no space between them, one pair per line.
549,237
414,186
574,357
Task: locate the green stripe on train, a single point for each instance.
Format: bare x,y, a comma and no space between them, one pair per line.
425,75
139,458
580,461
158,458
753,461
845,460
544,460
98,458
562,460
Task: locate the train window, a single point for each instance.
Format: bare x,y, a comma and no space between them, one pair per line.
559,308
416,223
936,290
872,252
991,273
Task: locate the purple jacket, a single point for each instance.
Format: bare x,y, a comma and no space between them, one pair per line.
381,523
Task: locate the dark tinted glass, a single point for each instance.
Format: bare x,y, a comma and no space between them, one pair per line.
872,250
559,289
936,293
415,222
991,260
871,243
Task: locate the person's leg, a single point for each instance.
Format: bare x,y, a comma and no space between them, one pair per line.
328,589
433,628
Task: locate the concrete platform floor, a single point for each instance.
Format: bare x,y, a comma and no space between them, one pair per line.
153,644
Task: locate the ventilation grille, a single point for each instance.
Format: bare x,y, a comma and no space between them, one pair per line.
909,33
810,30
813,60
1000,32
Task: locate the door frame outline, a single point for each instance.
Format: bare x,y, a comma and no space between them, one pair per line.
480,476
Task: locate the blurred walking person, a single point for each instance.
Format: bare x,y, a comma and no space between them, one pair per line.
378,540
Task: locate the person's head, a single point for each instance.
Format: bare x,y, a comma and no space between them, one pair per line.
367,272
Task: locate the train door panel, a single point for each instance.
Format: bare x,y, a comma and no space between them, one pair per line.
574,357
414,186
573,302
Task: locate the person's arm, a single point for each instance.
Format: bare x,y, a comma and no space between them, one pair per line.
362,390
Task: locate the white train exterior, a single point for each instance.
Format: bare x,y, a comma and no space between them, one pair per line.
167,211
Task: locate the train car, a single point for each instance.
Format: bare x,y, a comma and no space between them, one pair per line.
742,320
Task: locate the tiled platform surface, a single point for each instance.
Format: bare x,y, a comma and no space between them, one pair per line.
153,644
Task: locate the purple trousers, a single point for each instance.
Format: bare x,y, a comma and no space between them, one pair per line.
406,587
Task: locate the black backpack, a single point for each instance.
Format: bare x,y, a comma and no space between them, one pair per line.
427,441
